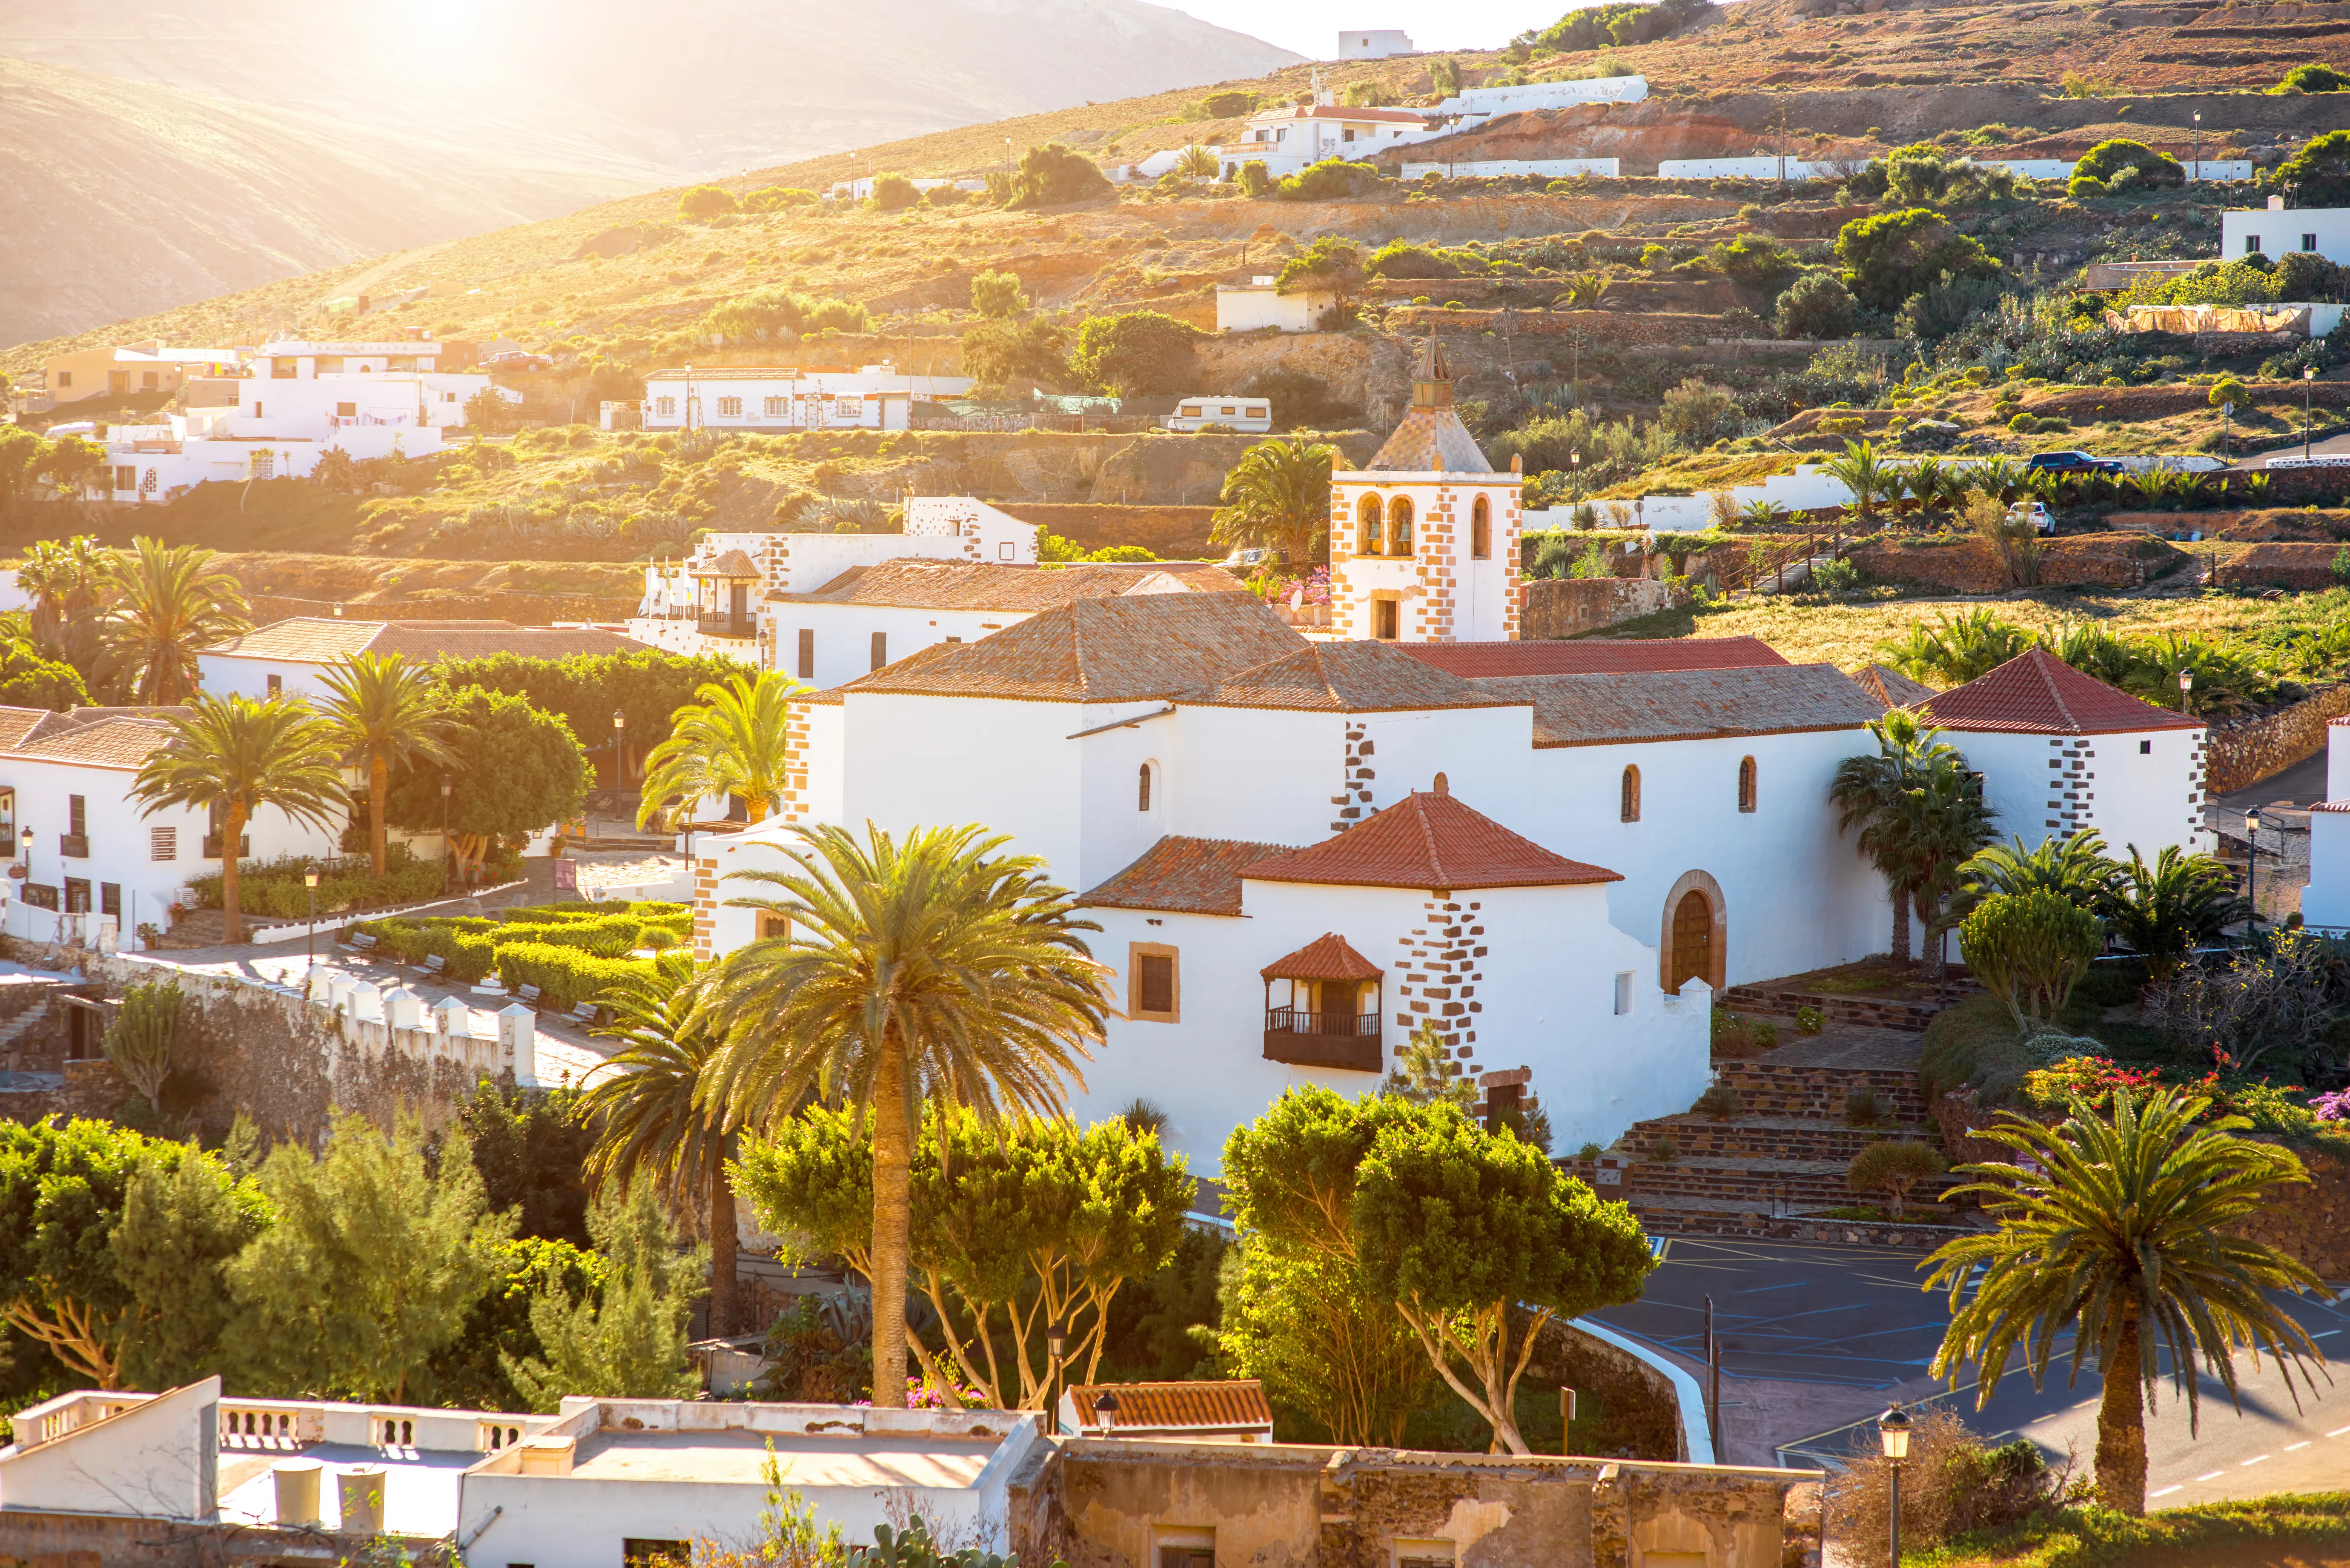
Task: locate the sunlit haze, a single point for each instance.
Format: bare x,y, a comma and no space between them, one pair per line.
1311,26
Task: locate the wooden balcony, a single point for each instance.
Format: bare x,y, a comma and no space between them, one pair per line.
1349,1041
726,625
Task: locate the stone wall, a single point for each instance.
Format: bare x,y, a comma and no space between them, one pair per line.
1170,532
523,610
1101,1503
1563,606
1973,567
2244,751
2283,566
29,1539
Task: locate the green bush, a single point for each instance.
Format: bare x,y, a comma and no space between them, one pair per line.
704,202
891,191
778,198
1329,180
566,976
1256,177
2312,79
2108,160
474,946
275,888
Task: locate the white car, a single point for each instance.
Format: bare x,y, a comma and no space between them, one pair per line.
2042,520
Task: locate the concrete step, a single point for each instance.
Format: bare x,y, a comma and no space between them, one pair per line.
1819,1093
1881,1012
1763,1138
1759,1184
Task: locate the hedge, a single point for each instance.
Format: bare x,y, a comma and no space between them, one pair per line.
566,976
275,888
473,946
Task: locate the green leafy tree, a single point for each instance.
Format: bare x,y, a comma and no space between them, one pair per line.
2312,77
703,202
29,681
997,295
167,602
521,771
654,1127
470,1372
1425,1074
532,1147
1818,305
2121,1231
1135,353
22,455
1331,179
232,757
1278,497
927,967
143,1036
376,1258
1892,1168
1332,264
892,192
385,713
185,1219
626,1340
1481,1241
72,465
2149,168
1054,174
2030,949
1256,177
1889,257
2319,174
585,690
2166,911
1000,353
1913,805
735,740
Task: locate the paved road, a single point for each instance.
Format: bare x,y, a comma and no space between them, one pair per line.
2332,445
1843,1330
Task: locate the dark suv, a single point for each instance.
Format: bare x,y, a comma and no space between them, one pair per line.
2072,463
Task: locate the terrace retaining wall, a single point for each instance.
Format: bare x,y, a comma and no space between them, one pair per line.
2241,752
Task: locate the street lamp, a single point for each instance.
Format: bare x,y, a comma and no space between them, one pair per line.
26,838
448,849
2253,866
2195,165
310,934
2308,376
1106,1412
1893,1429
620,748
2186,682
1056,1339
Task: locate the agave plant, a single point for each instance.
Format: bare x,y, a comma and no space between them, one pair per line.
2000,476
1761,514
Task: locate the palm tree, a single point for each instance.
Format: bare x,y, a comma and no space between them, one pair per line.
384,712
929,966
735,740
1868,478
651,1120
2075,866
1196,162
67,581
1918,812
1278,497
2120,1231
169,602
2169,910
1957,647
232,756
1947,822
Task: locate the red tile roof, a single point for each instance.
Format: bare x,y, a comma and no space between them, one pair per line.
1185,875
1135,648
1433,841
1351,677
1690,704
2036,693
1891,686
1236,1405
1586,656
322,640
1327,957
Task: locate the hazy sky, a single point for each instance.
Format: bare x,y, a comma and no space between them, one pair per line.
1311,26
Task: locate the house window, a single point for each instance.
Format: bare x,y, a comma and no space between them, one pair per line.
1369,537
729,408
807,654
640,1553
773,408
1622,991
126,477
1399,526
666,408
78,815
64,379
163,843
773,926
1154,993
147,380
1480,530
256,408
1142,790
2251,244
345,411
1746,784
109,899
880,649
1347,135
849,408
1383,619
77,895
276,685
2309,242
1628,806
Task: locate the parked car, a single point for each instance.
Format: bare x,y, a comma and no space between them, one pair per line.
1241,560
2042,520
2072,463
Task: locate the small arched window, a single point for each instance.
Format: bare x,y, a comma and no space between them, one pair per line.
1480,530
1630,806
1143,802
1369,540
1746,784
1399,526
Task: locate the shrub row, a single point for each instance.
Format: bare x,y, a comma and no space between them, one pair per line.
566,976
473,946
275,888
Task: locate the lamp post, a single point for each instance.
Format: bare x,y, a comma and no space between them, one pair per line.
448,849
1056,1339
1105,1406
2308,377
2195,164
26,838
1893,1429
620,748
310,932
2187,683
2253,866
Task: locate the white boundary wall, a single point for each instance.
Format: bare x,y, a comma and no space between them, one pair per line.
1492,168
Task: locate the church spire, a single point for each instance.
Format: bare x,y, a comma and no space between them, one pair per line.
1432,379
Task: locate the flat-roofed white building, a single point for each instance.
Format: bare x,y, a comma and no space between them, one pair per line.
290,656
789,398
2278,230
1257,305
1373,44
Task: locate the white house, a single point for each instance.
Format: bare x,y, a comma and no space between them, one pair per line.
2276,230
789,398
1373,44
602,1483
76,845
710,602
2326,901
869,615
1255,305
2063,753
289,656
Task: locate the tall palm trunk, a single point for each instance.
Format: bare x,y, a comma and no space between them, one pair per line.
231,911
1901,925
721,1252
2121,1425
378,791
893,1184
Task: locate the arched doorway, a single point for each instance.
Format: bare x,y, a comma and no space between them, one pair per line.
1695,941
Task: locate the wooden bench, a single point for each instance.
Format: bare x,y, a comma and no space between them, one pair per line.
435,964
527,995
359,941
583,1014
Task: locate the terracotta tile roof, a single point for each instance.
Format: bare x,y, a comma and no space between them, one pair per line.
1350,677
1233,1405
1428,840
2036,693
1327,957
1137,647
17,723
1185,876
1431,435
1339,111
98,737
1582,656
2329,805
916,584
1690,704
322,640
733,564
1890,687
